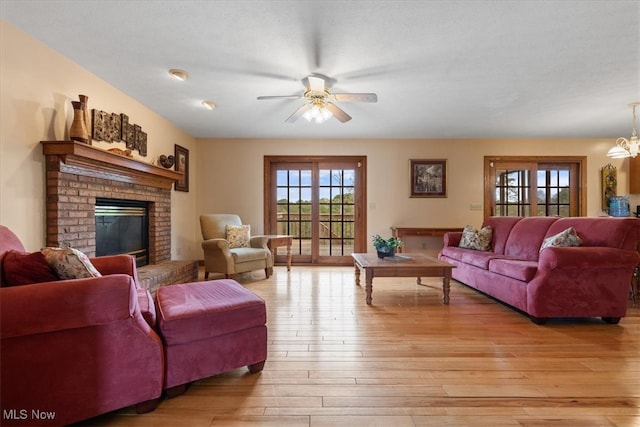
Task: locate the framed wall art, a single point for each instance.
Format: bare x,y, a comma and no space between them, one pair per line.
182,165
429,178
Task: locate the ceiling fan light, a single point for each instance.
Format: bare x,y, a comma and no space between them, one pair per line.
326,114
308,115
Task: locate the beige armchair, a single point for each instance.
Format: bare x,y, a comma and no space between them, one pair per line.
231,250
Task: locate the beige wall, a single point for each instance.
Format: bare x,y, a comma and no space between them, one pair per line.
388,179
36,88
38,84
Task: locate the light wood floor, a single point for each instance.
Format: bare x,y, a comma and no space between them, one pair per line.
408,360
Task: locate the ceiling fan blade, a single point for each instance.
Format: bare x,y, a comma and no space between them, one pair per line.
298,113
316,84
280,97
337,112
355,97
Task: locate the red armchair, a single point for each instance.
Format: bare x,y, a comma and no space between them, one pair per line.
74,349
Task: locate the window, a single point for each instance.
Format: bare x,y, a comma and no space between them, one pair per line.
534,186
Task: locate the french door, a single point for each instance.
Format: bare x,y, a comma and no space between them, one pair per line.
320,201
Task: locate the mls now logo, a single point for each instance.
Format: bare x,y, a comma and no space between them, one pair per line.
23,414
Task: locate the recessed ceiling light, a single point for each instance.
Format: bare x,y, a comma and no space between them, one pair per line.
209,104
179,74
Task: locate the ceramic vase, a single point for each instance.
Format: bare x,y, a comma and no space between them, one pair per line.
87,120
78,131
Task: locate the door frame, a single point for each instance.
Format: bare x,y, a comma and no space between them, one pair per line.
360,201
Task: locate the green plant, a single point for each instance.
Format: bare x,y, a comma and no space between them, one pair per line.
383,244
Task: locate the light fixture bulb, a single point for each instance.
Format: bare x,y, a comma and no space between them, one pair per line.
210,105
178,74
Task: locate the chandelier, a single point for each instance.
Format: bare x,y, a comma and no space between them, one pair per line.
627,147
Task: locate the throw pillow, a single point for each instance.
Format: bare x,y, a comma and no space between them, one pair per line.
566,238
22,268
69,263
238,236
478,240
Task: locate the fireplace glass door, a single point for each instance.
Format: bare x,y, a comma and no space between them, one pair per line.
122,228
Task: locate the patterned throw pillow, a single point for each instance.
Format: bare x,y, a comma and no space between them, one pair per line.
478,240
566,238
238,236
69,263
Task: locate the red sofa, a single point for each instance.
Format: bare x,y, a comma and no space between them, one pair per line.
591,280
74,349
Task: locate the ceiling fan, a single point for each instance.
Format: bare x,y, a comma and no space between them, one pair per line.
320,101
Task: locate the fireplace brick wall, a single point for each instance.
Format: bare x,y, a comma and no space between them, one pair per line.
70,202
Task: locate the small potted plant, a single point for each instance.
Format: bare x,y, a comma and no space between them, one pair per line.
386,247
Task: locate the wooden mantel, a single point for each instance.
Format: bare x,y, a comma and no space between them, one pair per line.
82,159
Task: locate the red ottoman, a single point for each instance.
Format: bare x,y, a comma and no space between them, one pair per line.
208,328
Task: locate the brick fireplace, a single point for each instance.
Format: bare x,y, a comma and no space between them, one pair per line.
77,174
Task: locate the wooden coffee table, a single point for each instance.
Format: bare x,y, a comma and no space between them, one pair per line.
405,265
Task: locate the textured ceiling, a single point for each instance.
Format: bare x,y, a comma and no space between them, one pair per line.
441,69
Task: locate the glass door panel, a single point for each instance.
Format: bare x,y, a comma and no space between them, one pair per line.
321,204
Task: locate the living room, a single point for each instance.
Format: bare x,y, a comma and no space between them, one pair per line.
226,174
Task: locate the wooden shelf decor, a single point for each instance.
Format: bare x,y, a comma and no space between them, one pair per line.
87,160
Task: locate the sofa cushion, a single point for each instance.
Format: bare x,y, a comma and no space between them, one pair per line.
478,240
238,236
526,237
248,254
69,263
501,226
565,238
196,311
515,268
619,233
479,258
22,268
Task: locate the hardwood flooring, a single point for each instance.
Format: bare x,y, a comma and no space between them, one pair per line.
409,360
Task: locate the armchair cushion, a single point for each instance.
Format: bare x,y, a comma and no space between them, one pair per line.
23,268
69,263
238,236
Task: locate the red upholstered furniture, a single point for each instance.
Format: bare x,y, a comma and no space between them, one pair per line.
209,328
74,349
591,280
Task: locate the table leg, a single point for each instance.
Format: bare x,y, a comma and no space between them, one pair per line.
419,281
357,275
368,286
446,278
289,256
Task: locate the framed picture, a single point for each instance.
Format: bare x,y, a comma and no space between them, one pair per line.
182,165
428,178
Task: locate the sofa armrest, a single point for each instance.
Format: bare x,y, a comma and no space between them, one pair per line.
66,304
452,238
586,257
116,264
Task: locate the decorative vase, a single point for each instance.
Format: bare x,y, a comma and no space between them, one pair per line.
78,131
386,252
87,121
